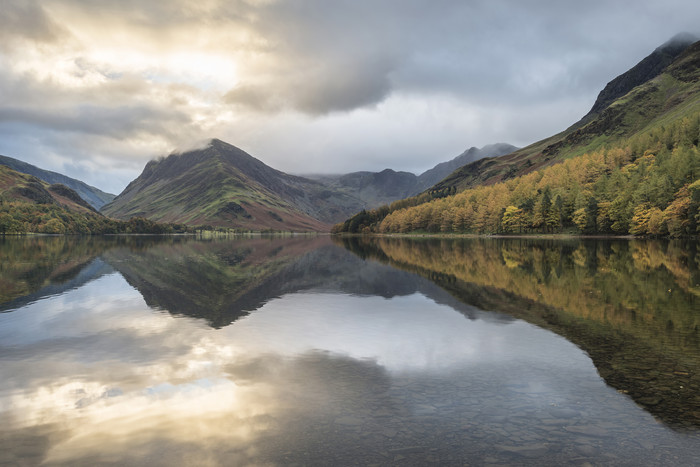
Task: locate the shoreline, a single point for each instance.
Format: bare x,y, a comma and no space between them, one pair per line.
563,236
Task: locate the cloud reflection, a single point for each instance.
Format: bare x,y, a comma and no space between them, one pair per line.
109,380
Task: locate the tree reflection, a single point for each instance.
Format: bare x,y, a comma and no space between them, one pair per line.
632,305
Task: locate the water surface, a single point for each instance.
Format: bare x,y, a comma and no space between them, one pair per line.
308,351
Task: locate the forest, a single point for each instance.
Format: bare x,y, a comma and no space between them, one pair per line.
645,185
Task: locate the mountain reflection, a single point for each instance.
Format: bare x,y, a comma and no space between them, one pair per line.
282,351
631,305
219,281
36,267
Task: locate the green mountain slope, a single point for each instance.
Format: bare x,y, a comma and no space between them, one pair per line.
633,168
660,89
94,196
649,68
222,185
30,205
20,187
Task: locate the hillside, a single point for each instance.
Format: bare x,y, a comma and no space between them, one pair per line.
377,188
30,205
661,88
20,187
221,185
94,196
649,68
631,169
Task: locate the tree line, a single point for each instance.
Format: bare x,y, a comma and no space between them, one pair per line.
18,218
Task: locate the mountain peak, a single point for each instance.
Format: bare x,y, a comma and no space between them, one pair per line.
647,69
218,184
682,39
217,143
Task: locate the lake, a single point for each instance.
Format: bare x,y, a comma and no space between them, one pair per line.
356,351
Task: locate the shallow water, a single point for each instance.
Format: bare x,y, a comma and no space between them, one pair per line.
283,351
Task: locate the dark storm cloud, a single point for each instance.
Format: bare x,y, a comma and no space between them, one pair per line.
324,55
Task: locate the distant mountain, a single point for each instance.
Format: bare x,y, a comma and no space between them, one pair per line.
430,177
94,196
377,188
660,88
373,188
221,185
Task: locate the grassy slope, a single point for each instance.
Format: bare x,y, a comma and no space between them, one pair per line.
16,186
94,196
673,94
223,186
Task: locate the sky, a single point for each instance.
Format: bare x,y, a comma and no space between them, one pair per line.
94,89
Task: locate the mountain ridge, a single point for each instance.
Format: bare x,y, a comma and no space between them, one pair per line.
660,97
222,185
18,186
94,196
631,169
648,68
384,187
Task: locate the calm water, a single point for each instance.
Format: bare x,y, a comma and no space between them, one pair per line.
298,351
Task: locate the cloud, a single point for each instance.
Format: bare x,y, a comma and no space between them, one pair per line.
94,86
330,87
97,375
25,19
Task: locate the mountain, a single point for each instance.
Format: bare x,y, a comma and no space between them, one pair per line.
94,196
28,204
31,205
648,69
631,168
377,188
660,88
430,177
373,188
221,185
21,187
